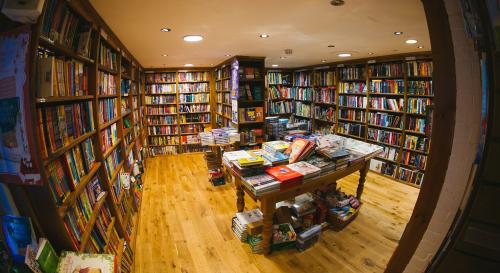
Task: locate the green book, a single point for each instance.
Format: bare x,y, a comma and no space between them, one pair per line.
46,256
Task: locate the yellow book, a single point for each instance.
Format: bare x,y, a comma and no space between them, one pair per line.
251,161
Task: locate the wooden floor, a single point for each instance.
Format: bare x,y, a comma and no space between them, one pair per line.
185,226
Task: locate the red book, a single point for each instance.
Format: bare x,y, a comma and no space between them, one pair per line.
287,177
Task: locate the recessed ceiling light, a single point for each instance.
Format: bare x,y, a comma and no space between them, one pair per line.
420,46
323,61
228,55
283,57
164,55
165,29
264,35
345,55
193,38
274,65
188,65
398,33
411,41
337,2
370,53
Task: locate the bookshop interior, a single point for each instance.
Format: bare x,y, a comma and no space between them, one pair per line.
249,136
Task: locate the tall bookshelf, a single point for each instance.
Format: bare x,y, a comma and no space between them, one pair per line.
222,111
387,102
81,133
177,109
279,99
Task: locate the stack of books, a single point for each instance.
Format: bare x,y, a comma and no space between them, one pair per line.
261,183
207,138
309,171
274,147
248,166
322,163
276,159
216,176
300,149
255,242
241,221
308,238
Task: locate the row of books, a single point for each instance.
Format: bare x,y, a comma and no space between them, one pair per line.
279,107
193,87
416,124
199,98
423,88
302,109
387,86
325,95
127,87
166,150
323,78
195,118
192,128
190,139
387,104
106,83
161,77
385,70
352,114
251,136
57,77
419,69
112,161
278,78
109,137
249,72
107,110
279,92
352,88
353,101
163,140
389,153
251,93
352,73
224,72
223,98
66,28
417,143
385,120
167,99
414,160
324,113
155,110
351,129
66,172
302,79
59,125
160,89
163,130
411,176
194,76
418,105
382,136
194,108
222,85
108,57
304,94
125,104
98,237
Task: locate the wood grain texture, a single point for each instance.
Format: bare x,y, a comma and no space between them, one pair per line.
185,226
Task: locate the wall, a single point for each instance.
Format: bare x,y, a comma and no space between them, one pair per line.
465,142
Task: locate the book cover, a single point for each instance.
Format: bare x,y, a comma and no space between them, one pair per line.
46,256
304,168
297,149
285,175
71,262
251,161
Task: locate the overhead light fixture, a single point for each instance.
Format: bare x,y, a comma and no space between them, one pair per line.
165,29
264,35
337,2
344,55
420,46
228,55
331,46
274,65
370,53
323,61
283,57
193,38
164,55
398,33
411,41
188,65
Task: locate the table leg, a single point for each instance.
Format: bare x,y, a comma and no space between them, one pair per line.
362,177
240,196
268,208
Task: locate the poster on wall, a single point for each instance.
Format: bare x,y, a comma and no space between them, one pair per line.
16,141
234,80
234,110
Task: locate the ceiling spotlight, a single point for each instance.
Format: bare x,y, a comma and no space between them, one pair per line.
165,29
323,61
411,41
370,53
164,55
331,46
420,46
188,65
398,33
228,55
264,35
193,38
337,2
274,65
283,57
344,55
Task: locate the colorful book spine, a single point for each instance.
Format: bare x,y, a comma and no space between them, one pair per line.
352,73
352,88
165,77
386,104
193,87
280,92
385,120
195,118
417,143
303,94
415,160
160,89
108,110
163,99
421,88
385,70
325,95
163,130
416,124
418,105
106,83
352,114
194,98
280,107
382,136
324,113
192,128
163,140
419,69
387,86
323,78
193,76
411,176
194,108
302,79
112,161
353,101
389,153
108,57
302,109
157,110
109,137
351,129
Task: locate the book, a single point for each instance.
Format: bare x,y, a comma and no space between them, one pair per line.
18,233
26,12
71,262
286,176
299,149
306,169
46,256
251,161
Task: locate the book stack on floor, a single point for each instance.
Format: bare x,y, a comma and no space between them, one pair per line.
245,221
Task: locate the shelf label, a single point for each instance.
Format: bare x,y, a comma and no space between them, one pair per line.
411,58
371,62
340,65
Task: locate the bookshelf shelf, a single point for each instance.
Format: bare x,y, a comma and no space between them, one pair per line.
160,94
186,113
193,82
90,224
126,113
116,172
151,83
163,135
383,143
420,96
111,149
350,107
415,133
70,200
386,111
353,136
205,102
108,70
352,121
67,147
385,127
57,48
63,99
194,93
387,94
187,123
385,159
109,123
108,232
415,151
108,96
130,147
160,104
166,114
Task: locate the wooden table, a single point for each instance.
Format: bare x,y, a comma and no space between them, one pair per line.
268,200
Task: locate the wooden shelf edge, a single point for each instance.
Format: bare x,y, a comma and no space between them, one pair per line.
62,99
91,222
52,156
109,123
111,149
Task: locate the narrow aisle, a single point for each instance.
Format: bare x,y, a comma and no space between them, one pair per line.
185,226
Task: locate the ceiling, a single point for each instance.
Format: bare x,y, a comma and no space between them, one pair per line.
233,27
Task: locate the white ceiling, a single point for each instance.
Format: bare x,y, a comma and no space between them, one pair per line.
233,26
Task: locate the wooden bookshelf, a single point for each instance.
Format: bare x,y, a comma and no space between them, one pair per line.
52,213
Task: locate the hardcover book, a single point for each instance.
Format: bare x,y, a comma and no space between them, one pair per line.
286,176
71,262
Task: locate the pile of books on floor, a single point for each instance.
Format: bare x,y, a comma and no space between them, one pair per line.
247,222
216,176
